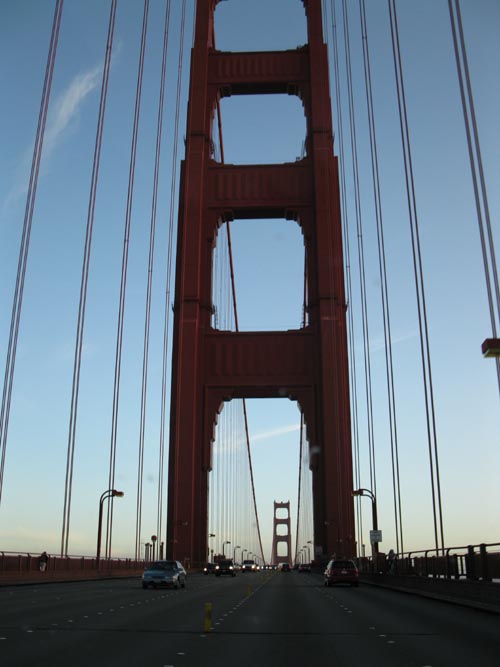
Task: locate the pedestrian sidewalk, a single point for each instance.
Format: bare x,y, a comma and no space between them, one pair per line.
483,595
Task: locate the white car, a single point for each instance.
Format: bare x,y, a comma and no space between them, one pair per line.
168,573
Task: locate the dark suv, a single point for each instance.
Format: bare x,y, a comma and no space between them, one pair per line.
224,567
341,571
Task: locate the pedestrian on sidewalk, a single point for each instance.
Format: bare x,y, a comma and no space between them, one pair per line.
43,560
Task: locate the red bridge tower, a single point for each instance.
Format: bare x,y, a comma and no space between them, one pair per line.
308,365
286,537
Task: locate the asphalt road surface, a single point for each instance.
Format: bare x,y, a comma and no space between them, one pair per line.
281,620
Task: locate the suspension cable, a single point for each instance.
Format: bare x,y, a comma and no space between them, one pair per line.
351,327
384,292
84,283
419,285
25,240
477,172
361,257
173,184
147,317
161,452
123,285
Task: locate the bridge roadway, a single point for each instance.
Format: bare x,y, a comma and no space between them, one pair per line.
280,620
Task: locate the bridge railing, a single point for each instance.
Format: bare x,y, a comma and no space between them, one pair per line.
27,565
473,562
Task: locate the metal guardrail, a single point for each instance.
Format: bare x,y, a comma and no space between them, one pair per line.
17,563
473,562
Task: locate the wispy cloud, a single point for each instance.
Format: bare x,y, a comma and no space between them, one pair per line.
378,344
65,110
68,105
274,433
226,445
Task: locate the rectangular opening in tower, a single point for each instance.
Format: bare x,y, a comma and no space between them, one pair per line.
270,295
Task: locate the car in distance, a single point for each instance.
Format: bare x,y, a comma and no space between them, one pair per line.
304,567
249,566
225,567
284,567
341,571
209,568
169,573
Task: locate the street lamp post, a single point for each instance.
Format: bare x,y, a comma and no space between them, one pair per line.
210,555
371,495
110,493
243,551
234,552
223,545
306,546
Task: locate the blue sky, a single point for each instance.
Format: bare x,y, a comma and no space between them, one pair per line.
262,130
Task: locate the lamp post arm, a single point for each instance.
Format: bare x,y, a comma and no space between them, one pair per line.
99,526
109,493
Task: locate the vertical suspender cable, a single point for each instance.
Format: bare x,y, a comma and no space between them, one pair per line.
361,257
161,455
419,286
477,172
333,304
147,318
25,240
351,332
391,402
123,285
168,278
84,282
148,309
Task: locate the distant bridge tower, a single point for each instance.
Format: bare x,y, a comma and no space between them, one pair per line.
308,365
283,537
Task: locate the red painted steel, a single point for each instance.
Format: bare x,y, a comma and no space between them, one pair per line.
308,365
285,538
